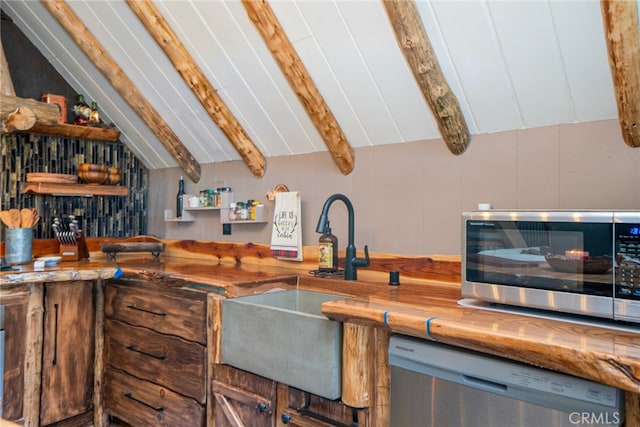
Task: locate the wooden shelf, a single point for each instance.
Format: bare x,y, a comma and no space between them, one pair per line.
74,189
86,132
170,216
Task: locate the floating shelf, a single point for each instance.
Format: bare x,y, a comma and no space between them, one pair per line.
74,189
86,132
204,208
170,216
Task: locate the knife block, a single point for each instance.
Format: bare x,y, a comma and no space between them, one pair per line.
69,252
75,251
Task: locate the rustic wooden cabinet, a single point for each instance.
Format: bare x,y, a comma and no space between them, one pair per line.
241,398
68,351
298,408
154,354
49,352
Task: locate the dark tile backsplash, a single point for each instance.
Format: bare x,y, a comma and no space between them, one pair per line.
99,216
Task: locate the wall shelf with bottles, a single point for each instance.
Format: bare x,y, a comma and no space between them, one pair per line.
261,216
190,212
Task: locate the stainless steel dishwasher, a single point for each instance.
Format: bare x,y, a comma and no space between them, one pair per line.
442,386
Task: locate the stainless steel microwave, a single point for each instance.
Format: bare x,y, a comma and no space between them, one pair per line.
581,262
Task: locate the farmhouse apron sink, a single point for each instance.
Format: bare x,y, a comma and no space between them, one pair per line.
285,337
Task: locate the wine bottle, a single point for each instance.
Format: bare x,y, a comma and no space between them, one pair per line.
94,119
179,198
82,111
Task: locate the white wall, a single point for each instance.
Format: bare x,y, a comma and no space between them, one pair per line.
408,197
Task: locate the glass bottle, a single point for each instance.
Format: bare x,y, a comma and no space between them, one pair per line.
82,111
94,118
328,251
180,198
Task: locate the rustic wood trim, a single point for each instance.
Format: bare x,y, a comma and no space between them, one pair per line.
214,338
358,374
6,84
623,44
10,106
91,47
193,76
632,409
33,355
382,394
414,43
100,417
301,82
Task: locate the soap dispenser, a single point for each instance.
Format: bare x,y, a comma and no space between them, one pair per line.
328,251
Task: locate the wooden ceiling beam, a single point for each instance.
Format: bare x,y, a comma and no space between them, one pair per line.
623,43
6,83
414,43
193,76
301,82
91,47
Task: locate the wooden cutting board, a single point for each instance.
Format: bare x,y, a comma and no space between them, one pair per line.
58,178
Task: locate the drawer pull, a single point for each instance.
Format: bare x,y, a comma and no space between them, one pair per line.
133,348
55,336
130,396
146,310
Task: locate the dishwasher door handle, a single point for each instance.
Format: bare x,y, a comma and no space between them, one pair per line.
483,384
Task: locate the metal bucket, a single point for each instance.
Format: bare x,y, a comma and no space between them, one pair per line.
18,244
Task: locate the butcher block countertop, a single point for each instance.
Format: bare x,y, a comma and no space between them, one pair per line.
426,309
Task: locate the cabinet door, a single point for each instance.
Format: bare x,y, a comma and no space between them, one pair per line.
242,399
67,356
297,408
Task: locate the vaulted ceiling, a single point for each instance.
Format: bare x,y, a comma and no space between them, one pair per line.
510,64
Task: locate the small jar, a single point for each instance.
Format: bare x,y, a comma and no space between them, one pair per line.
210,199
232,212
221,190
203,198
242,213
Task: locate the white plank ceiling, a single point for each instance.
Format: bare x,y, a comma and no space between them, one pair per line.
512,65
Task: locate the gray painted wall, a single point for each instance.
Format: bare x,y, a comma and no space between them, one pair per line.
408,197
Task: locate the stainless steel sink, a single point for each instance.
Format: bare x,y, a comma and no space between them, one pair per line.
285,337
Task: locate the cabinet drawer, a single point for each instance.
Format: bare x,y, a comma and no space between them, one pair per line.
170,311
163,359
141,403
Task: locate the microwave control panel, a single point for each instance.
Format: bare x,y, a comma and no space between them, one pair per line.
628,260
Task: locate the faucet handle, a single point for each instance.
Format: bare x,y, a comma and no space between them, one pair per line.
362,262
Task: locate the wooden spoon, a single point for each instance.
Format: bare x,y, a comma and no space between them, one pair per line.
15,218
26,218
35,218
5,216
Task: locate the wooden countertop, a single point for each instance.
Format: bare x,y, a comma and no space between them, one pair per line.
424,309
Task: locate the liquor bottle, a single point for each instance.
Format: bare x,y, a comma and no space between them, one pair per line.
179,198
82,111
328,251
94,119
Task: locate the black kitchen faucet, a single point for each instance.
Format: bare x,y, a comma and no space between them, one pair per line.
351,262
